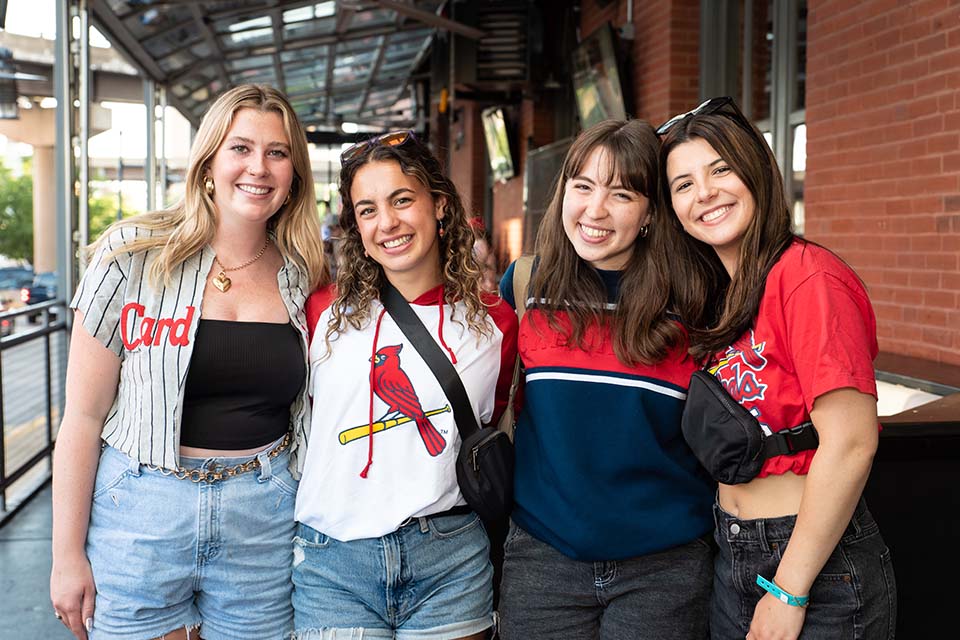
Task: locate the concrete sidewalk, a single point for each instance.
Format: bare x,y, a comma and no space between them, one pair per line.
25,610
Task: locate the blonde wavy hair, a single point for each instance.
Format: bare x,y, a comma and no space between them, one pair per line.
360,277
186,227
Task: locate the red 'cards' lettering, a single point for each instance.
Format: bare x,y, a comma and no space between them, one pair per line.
151,329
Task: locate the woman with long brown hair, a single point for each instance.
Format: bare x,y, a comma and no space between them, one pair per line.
787,329
609,533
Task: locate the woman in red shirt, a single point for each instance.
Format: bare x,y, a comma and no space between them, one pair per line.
788,329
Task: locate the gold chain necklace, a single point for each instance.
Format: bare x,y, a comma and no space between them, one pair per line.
222,282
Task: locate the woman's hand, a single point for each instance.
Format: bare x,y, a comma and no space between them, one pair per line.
774,620
72,592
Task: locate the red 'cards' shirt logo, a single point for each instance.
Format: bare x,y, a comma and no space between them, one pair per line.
150,330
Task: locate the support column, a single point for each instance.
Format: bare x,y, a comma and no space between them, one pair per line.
44,210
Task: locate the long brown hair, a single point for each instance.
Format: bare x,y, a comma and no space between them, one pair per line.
716,308
185,228
360,277
565,282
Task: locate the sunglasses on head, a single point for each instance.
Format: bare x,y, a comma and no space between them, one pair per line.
707,107
392,139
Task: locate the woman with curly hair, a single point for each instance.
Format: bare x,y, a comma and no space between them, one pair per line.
387,546
186,395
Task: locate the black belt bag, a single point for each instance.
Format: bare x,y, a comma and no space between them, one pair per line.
727,439
485,462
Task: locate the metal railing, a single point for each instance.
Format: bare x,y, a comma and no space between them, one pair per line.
25,457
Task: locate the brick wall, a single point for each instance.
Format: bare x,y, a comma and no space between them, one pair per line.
468,157
883,161
535,128
664,54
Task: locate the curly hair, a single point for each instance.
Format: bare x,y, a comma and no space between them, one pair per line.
183,229
360,277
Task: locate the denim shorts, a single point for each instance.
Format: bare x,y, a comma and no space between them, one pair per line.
853,598
169,553
658,596
431,579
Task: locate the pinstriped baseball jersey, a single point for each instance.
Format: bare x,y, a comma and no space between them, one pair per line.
152,332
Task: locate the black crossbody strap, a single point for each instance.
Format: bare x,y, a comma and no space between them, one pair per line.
408,321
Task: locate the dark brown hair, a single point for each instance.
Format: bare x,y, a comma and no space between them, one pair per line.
641,332
360,277
717,308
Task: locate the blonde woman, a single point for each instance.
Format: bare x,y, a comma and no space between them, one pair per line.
186,398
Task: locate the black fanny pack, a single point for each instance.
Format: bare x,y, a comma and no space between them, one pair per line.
727,439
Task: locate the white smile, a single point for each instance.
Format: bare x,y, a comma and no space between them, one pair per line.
716,213
397,242
257,191
593,232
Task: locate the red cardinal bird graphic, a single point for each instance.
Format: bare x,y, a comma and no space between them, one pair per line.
393,386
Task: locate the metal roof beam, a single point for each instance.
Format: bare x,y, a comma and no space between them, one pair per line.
431,19
374,70
276,17
214,44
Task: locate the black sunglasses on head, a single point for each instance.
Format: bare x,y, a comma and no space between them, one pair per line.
707,107
392,139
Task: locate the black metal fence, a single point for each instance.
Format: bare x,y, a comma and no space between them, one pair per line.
32,374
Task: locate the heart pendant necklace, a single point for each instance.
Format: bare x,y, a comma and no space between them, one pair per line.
222,282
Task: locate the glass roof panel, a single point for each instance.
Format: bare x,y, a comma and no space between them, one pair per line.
375,18
319,10
305,29
240,64
172,40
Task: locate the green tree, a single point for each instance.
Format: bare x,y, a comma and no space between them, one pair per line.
103,213
16,215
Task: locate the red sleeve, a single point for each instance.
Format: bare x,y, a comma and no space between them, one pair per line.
505,320
317,303
832,335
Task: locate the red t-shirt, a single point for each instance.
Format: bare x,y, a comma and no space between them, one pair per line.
815,332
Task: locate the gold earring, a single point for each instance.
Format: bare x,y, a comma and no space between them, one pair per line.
644,230
441,231
286,200
208,185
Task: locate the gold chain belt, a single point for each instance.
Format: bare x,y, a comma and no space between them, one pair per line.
220,473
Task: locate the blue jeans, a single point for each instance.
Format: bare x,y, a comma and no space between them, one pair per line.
431,579
169,553
853,598
658,596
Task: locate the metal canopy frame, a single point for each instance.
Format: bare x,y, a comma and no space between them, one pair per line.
337,60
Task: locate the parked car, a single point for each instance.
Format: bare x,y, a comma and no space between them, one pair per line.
44,288
15,277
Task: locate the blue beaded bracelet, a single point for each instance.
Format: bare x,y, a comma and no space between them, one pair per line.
787,598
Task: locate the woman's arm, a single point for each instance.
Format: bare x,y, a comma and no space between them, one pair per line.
846,421
93,374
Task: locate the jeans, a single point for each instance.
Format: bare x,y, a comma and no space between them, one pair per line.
853,598
168,554
431,579
658,596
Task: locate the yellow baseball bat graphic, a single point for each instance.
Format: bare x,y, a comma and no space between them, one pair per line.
363,430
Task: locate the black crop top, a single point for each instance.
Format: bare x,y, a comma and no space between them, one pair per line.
243,378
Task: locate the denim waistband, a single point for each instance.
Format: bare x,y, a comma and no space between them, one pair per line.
763,530
187,462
